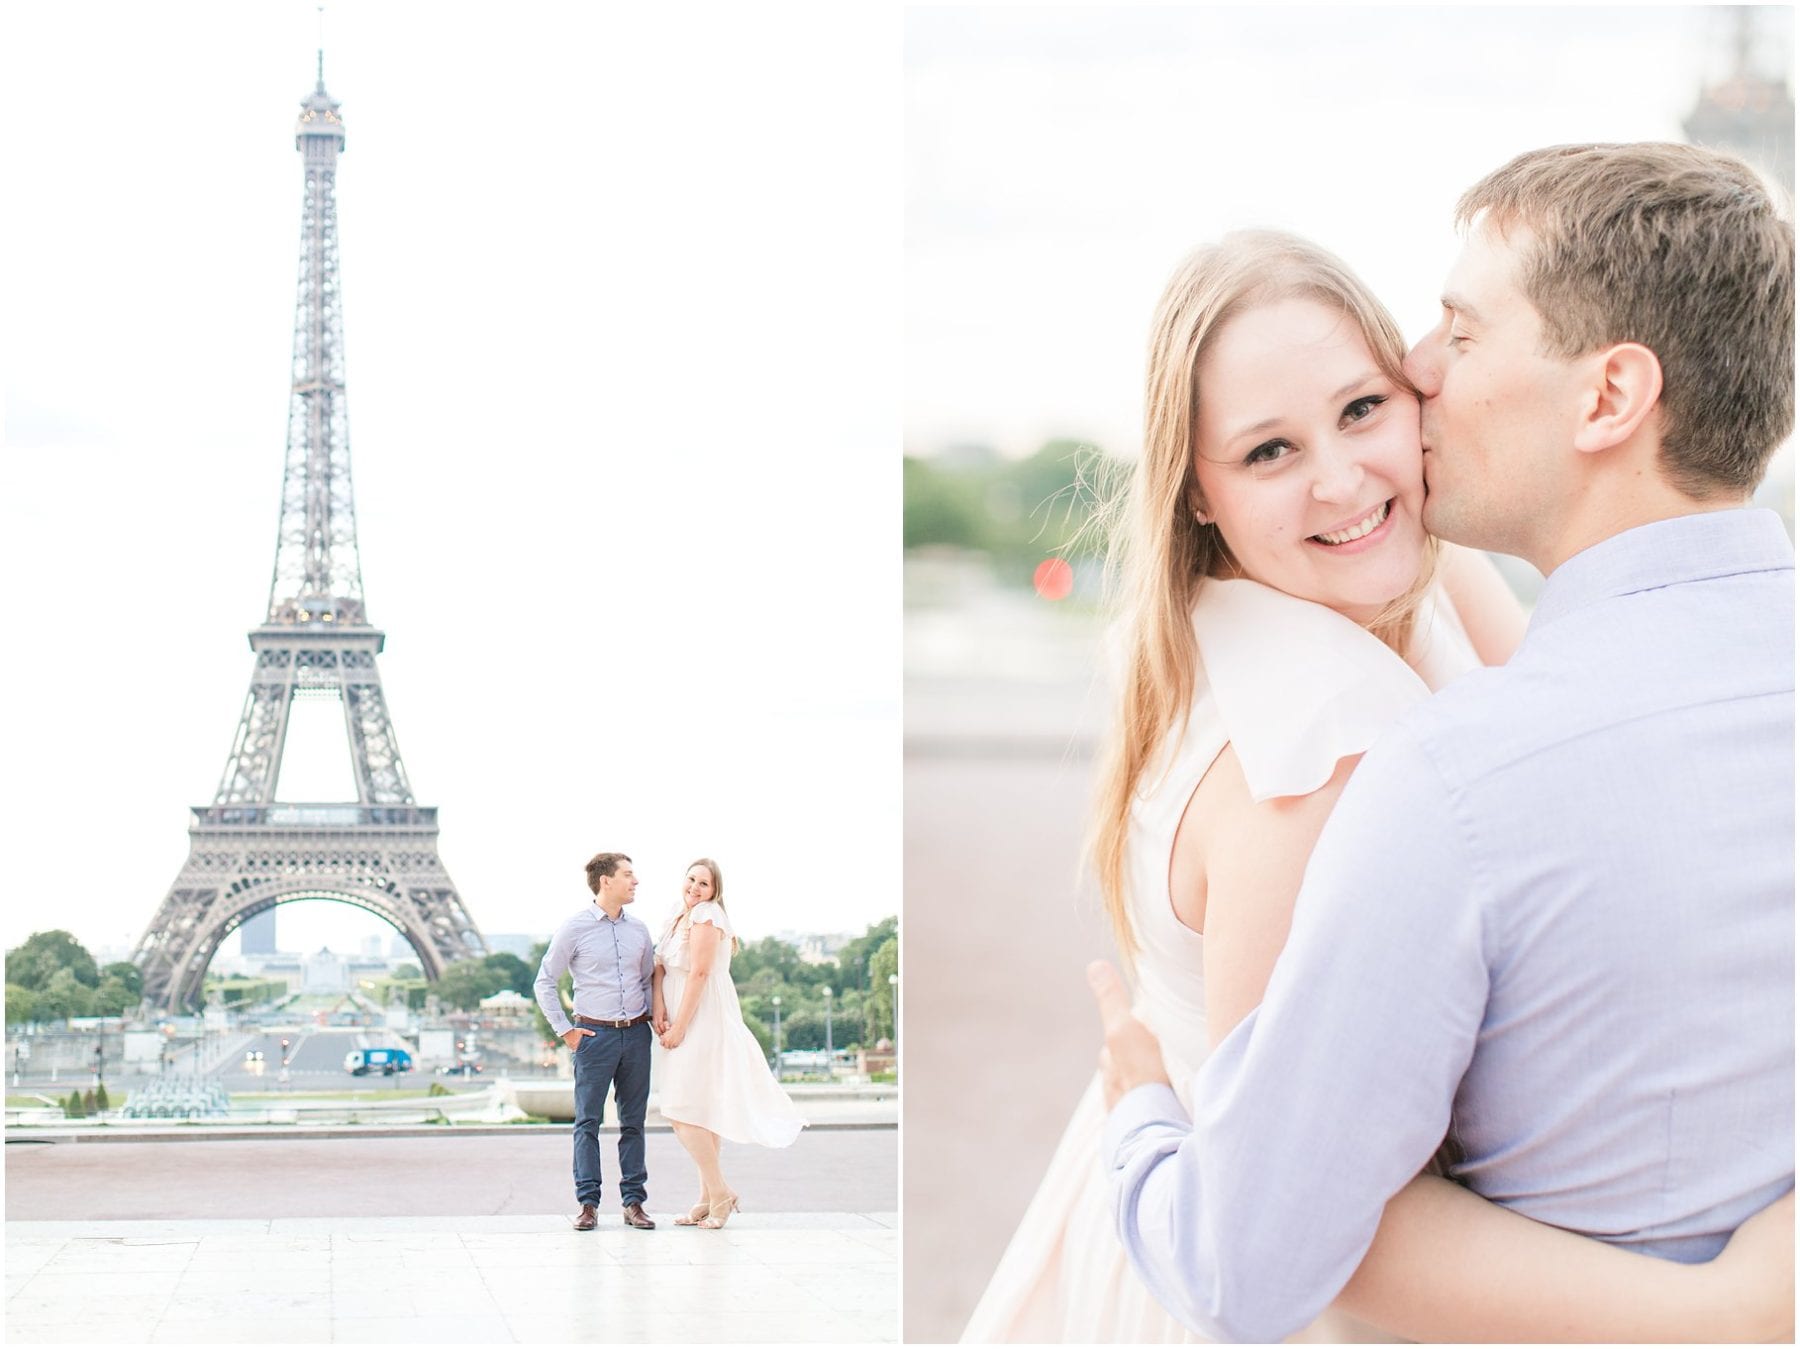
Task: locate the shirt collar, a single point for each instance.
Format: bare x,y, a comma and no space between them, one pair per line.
1699,547
600,914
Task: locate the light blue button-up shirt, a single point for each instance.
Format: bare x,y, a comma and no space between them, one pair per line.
612,960
1553,916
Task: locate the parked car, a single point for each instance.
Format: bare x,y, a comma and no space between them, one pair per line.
387,1062
466,1069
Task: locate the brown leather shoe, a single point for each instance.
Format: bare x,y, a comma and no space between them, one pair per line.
636,1217
587,1219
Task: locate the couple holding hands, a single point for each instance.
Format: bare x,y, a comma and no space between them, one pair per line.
714,1083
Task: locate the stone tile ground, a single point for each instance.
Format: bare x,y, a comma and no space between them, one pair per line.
768,1278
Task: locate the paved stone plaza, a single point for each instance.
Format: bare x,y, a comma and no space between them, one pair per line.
152,1242
806,1277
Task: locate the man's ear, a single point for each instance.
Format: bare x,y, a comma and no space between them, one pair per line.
1624,388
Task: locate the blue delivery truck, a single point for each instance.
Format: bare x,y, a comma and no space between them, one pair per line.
387,1062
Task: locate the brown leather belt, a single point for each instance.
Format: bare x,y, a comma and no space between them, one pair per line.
613,1025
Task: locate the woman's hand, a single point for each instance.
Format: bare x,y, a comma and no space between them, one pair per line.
1757,1266
1132,1055
674,1035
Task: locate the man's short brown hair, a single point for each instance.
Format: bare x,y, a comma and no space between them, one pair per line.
603,864
1681,250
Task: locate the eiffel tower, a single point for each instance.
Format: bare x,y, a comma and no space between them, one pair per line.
247,852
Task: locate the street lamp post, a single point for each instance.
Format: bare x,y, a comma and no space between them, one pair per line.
778,1037
827,992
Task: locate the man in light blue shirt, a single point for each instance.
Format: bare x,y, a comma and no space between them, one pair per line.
1552,914
612,957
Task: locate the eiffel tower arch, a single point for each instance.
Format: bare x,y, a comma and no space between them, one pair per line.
247,852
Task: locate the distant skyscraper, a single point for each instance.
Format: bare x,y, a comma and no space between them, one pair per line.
258,935
1751,111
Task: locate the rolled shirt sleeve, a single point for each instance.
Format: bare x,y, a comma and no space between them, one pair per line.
1247,1220
552,968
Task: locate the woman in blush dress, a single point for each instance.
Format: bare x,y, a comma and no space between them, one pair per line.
714,1081
1282,604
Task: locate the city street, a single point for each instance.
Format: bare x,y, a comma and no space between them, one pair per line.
315,1063
840,1170
315,1060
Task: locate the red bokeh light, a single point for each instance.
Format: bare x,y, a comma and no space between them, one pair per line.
1053,579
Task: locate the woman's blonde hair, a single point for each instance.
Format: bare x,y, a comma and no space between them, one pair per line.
1158,554
718,894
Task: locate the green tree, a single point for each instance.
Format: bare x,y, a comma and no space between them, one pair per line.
127,974
112,998
72,1106
769,955
101,1100
464,984
847,1019
804,1028
63,996
20,1005
517,973
853,956
35,963
406,970
878,1008
89,1105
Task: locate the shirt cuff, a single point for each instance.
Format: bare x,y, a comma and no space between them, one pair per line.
1151,1103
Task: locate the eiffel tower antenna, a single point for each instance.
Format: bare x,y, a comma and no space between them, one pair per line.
247,852
1750,111
1743,42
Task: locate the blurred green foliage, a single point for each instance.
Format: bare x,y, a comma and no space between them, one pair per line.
44,954
465,983
1017,511
52,976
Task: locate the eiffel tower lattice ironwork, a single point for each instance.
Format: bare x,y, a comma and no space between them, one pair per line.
248,852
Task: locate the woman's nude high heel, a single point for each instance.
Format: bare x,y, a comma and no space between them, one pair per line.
719,1212
693,1216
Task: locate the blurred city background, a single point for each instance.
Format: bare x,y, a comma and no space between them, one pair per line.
1059,163
605,629
328,1037
602,629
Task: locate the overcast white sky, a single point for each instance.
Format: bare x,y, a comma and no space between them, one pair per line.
1060,161
621,286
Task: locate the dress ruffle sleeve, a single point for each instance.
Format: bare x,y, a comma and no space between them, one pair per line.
1297,685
